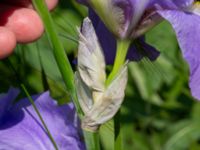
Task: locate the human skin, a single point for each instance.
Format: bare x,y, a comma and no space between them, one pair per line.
19,23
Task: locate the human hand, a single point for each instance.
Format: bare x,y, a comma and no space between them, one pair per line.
19,23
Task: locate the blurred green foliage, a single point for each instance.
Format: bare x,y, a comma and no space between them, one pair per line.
158,111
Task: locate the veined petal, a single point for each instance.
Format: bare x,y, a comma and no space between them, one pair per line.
139,7
151,18
21,128
186,26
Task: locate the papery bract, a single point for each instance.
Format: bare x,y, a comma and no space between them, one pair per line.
90,57
99,101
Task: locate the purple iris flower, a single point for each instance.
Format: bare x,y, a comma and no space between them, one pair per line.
129,19
21,128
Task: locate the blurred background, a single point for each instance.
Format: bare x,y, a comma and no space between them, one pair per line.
158,111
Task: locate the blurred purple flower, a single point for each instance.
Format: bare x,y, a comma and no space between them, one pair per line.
138,16
21,128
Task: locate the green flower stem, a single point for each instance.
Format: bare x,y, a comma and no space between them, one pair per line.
92,140
58,50
39,115
122,49
64,65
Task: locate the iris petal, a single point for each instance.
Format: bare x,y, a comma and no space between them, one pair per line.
21,129
186,26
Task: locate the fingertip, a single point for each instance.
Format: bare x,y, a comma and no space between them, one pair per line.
25,23
51,4
7,42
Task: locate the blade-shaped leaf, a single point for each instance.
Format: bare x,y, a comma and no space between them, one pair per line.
187,131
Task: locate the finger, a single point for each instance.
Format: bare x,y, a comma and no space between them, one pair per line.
23,22
51,4
7,42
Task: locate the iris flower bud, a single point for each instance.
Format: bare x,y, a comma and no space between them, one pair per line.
124,17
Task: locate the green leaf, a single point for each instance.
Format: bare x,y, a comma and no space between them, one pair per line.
58,51
182,135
